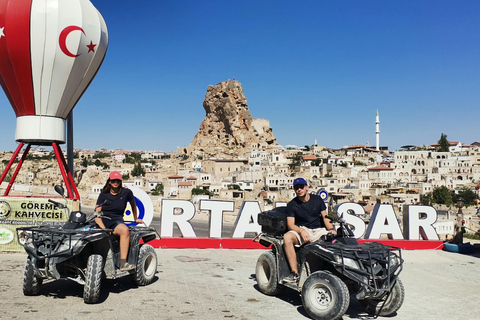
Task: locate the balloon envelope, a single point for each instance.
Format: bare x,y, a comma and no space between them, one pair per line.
50,51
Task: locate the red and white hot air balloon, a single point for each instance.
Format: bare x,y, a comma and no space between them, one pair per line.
50,50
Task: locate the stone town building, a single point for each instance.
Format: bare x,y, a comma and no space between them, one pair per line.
221,168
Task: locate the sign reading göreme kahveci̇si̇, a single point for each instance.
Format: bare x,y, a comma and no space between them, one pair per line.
20,212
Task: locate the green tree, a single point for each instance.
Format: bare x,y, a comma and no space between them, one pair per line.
135,155
100,155
426,199
197,191
85,163
138,171
441,195
296,161
466,195
8,177
158,190
128,160
443,144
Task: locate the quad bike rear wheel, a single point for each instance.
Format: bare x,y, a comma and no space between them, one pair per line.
32,285
388,305
93,279
325,296
266,274
146,265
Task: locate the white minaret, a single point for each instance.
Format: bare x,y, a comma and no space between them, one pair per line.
377,131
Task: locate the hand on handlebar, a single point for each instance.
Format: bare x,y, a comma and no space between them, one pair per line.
333,231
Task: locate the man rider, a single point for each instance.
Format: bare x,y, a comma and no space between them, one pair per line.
306,223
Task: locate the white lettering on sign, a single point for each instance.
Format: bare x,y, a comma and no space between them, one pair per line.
169,217
216,209
350,211
247,219
383,221
418,220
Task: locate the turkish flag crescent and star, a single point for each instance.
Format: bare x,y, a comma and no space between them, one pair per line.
15,53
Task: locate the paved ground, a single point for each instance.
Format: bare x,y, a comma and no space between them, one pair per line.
220,284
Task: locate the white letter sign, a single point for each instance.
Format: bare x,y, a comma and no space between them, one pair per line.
243,224
216,209
383,221
419,220
349,212
182,220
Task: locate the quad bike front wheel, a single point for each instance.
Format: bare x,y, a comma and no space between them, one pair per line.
146,265
266,274
32,285
325,296
93,278
388,305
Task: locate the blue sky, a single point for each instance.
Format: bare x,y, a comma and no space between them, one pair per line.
314,69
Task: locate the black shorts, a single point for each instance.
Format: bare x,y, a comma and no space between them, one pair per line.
111,223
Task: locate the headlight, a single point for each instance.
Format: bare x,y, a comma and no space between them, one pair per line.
23,236
393,260
348,262
66,245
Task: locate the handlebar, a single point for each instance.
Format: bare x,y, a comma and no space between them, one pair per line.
338,220
58,204
99,214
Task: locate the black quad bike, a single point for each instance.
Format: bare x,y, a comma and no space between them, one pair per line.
331,270
82,252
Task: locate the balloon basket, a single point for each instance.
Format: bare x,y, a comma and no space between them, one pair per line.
66,174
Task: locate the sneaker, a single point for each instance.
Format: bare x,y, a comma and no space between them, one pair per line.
291,278
126,267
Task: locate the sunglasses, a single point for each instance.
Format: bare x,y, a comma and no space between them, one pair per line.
116,181
298,186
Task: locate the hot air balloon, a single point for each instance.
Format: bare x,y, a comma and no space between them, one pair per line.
50,51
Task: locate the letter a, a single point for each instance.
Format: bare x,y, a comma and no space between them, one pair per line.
243,224
383,221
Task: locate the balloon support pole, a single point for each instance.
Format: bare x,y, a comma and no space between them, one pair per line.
66,174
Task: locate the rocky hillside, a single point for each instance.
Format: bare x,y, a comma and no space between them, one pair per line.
228,127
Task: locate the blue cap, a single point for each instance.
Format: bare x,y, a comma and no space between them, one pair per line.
300,181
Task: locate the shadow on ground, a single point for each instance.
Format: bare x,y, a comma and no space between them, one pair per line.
60,289
293,297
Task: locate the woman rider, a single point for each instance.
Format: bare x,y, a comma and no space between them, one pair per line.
113,213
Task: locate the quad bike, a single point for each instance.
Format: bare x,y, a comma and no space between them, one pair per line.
81,251
333,269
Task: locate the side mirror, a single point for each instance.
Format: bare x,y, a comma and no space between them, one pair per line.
59,190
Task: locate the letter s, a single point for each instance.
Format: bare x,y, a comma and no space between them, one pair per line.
349,212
